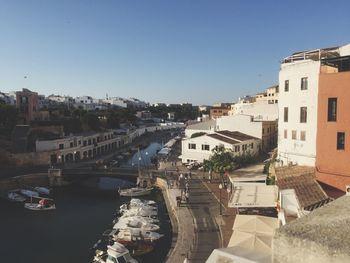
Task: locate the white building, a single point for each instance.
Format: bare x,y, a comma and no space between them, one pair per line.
260,110
205,126
266,130
200,148
61,99
84,100
270,95
298,100
117,102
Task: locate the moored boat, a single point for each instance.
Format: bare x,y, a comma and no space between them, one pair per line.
115,253
15,197
44,204
135,191
29,193
126,236
42,190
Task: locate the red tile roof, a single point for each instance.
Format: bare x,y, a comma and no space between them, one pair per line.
302,179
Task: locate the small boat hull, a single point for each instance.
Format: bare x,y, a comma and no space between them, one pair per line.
135,192
36,207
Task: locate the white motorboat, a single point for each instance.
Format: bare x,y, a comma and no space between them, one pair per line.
115,253
126,207
126,236
29,193
15,197
44,204
140,212
138,202
135,191
142,219
131,222
42,190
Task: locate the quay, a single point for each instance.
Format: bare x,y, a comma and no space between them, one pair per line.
196,231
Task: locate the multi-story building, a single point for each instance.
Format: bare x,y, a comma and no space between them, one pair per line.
265,130
28,104
200,148
270,95
298,104
333,122
76,147
217,112
58,99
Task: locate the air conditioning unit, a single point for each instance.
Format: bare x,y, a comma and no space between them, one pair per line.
347,190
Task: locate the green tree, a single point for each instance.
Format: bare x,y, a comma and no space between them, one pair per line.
221,160
8,119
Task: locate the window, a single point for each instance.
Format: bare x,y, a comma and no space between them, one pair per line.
244,147
294,135
79,142
251,145
192,146
332,109
61,146
71,145
303,114
340,140
237,148
205,147
89,142
303,84
263,131
302,135
285,114
285,134
286,85
84,143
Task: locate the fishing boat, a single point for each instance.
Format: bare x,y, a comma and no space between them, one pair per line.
15,197
43,204
114,253
135,191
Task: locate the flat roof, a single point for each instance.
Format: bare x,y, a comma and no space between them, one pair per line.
254,196
248,174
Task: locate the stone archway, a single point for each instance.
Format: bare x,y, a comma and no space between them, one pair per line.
69,157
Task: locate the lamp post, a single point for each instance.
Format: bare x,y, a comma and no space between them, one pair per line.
220,187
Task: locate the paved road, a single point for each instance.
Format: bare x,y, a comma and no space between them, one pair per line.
203,205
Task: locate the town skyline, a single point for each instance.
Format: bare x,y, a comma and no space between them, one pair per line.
171,53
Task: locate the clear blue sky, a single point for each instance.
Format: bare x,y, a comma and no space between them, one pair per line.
160,51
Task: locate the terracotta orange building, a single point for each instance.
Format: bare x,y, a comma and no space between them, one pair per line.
217,112
333,124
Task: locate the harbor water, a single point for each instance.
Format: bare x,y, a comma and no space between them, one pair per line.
68,233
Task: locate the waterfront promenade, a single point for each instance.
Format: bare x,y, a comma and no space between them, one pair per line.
196,232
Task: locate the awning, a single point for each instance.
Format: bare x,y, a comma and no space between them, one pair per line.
238,255
254,196
250,242
164,151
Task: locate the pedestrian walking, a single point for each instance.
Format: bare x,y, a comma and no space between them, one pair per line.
187,195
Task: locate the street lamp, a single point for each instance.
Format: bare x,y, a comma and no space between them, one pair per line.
220,187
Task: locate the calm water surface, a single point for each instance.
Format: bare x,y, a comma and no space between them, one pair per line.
67,234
